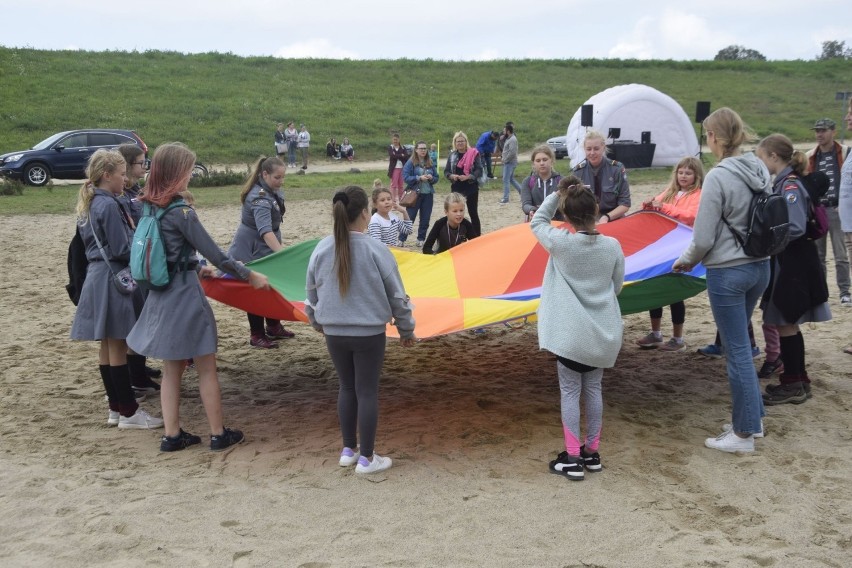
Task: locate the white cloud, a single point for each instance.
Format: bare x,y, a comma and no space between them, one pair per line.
319,48
673,35
486,55
637,43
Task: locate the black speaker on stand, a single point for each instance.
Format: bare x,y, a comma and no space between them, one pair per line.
586,112
614,134
702,111
646,137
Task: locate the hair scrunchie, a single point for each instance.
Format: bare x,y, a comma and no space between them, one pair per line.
342,197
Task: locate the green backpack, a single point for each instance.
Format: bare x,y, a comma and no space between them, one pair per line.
148,263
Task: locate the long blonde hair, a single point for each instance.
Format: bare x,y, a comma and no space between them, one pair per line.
782,146
729,129
261,166
691,163
102,162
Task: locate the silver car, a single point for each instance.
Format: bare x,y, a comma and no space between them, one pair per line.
559,145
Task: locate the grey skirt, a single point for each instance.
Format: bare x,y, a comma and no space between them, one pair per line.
772,315
103,312
176,323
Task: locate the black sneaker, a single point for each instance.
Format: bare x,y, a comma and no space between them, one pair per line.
770,389
146,386
569,466
226,439
179,442
592,462
153,373
769,368
792,393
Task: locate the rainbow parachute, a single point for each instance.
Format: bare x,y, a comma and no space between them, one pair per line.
493,279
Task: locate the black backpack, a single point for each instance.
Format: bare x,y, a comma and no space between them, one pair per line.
768,229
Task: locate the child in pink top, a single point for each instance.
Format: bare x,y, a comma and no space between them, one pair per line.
680,201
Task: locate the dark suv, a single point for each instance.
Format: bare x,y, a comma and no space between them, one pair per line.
63,155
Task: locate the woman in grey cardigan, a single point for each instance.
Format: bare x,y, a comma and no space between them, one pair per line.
579,319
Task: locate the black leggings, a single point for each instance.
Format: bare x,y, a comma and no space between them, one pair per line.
358,362
256,324
678,313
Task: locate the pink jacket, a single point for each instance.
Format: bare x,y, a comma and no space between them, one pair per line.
684,208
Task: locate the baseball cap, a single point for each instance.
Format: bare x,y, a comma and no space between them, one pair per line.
824,123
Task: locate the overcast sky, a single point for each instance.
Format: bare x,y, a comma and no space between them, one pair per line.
437,29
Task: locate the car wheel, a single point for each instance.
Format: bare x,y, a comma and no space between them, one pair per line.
36,174
199,170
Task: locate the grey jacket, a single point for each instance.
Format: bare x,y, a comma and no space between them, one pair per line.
376,295
728,190
845,197
510,150
262,213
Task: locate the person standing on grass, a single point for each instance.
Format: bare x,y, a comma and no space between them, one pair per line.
177,323
828,157
304,143
510,162
485,145
291,136
679,201
579,319
735,280
397,156
354,291
280,141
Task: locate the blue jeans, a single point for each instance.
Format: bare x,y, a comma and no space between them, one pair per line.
291,153
733,294
424,207
509,177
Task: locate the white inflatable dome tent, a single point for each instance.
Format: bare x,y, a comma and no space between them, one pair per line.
635,109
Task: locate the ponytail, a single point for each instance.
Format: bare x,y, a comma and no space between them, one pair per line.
263,164
346,205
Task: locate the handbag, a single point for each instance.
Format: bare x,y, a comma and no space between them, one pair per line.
122,279
281,147
409,197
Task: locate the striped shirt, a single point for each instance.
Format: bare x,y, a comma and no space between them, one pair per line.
389,231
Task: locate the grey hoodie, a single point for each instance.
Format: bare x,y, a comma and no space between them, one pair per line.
727,191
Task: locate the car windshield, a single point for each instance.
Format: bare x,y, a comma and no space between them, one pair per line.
48,142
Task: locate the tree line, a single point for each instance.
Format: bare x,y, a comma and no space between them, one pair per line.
830,50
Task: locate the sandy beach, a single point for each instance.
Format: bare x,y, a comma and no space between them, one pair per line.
470,421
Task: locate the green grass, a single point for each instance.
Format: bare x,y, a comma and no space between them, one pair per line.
225,107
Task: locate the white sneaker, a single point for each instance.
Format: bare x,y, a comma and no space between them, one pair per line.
113,418
378,464
729,442
419,244
726,427
348,457
140,421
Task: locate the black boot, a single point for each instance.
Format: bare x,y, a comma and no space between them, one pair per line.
142,383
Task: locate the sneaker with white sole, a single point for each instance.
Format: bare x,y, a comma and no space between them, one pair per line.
568,465
712,350
113,418
419,244
140,421
729,442
729,426
846,300
650,341
591,461
378,464
348,457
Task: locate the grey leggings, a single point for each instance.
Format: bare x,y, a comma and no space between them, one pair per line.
358,362
571,384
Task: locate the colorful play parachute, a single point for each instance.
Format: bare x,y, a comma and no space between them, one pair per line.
493,279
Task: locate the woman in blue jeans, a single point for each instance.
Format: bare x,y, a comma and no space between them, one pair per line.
735,281
419,172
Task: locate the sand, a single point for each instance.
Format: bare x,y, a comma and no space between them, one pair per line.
470,421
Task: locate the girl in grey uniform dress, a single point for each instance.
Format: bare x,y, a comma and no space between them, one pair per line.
798,292
104,313
177,323
259,235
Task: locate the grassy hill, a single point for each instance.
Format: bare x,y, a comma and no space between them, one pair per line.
225,107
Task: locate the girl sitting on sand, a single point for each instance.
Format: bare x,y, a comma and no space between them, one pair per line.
579,319
384,227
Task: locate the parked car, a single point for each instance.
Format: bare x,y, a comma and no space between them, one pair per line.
559,145
63,155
